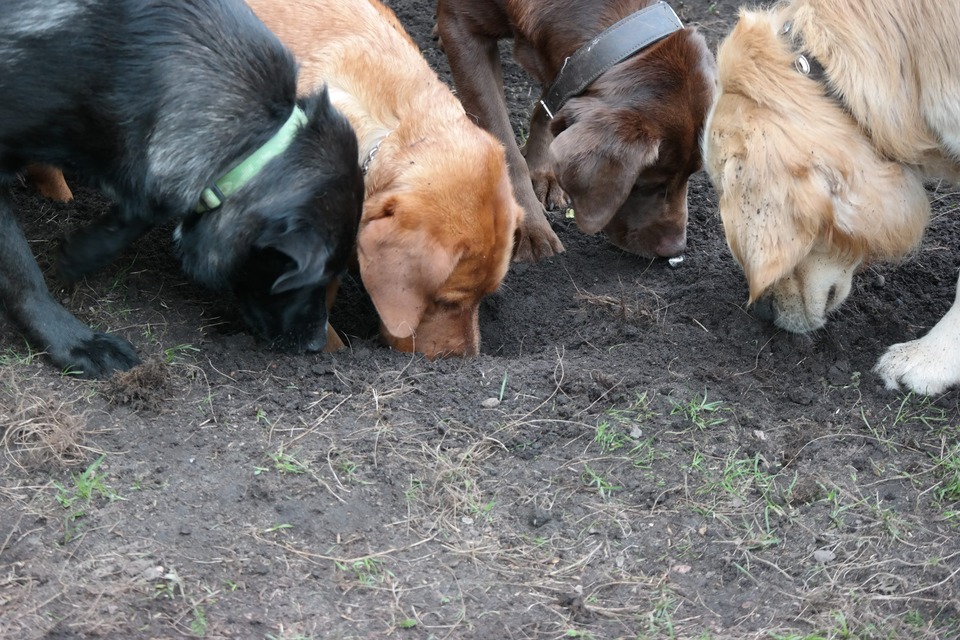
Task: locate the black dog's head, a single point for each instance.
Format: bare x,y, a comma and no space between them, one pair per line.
286,235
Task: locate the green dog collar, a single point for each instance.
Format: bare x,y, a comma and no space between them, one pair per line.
214,195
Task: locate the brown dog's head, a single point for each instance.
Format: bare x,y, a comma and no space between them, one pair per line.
437,241
625,148
804,196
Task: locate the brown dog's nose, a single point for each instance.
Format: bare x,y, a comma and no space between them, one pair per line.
671,245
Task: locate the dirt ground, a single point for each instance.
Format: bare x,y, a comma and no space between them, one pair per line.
631,456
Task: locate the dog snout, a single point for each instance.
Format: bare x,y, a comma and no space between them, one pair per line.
317,342
671,245
764,310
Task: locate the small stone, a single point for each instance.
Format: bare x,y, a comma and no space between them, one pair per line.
490,403
675,262
153,573
824,555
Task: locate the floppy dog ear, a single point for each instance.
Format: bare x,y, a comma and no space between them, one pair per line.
596,167
401,268
308,256
777,201
767,230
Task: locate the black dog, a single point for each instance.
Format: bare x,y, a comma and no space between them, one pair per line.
177,109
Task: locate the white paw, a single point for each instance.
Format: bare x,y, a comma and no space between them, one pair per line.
923,366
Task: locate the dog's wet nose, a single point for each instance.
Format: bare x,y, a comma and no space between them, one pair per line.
764,310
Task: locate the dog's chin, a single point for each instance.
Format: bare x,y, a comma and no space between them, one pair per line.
431,350
664,237
800,318
442,333
650,225
802,301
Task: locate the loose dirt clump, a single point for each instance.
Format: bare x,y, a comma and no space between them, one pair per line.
146,387
632,455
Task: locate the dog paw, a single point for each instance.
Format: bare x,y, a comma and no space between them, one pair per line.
922,366
548,191
98,356
536,240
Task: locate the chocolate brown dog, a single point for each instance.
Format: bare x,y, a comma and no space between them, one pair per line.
616,133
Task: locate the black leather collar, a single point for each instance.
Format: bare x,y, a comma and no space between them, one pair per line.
612,45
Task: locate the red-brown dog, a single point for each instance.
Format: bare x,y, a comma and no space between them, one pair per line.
623,148
439,216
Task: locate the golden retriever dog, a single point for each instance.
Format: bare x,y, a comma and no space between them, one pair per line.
829,116
439,216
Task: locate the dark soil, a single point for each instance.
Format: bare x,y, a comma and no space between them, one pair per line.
631,456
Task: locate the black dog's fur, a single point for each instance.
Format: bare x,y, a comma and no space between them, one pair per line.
154,100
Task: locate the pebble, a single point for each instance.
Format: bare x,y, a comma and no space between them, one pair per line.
490,403
824,555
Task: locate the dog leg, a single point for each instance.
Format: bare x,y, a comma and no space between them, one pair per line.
69,343
477,73
98,244
540,163
49,182
928,365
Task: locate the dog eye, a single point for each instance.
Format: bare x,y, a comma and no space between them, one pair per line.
447,305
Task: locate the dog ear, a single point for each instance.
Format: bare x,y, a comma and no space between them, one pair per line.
307,254
401,268
596,167
768,231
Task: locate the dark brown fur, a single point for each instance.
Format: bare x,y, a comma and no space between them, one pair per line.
621,153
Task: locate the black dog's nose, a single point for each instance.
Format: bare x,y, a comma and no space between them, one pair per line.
764,310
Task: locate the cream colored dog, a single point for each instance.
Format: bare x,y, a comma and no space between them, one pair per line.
439,216
829,115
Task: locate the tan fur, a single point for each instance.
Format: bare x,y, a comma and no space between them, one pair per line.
793,168
439,218
810,186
